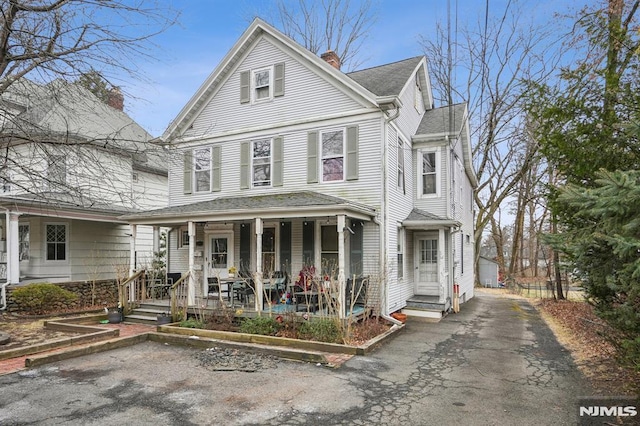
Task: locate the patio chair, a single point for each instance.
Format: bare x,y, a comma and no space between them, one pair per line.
356,296
215,289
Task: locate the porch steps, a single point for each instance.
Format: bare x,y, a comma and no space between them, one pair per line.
427,307
147,313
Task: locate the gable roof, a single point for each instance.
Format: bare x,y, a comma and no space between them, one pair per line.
388,79
228,64
451,120
420,218
437,120
285,205
61,109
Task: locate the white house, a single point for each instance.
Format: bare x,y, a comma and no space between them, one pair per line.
281,161
71,166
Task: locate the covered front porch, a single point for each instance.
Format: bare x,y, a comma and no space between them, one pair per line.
298,252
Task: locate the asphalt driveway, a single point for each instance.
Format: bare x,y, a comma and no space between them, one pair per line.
494,363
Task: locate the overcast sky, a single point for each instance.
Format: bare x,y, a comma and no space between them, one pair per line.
190,51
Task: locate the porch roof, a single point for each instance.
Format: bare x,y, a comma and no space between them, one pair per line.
266,206
420,219
59,205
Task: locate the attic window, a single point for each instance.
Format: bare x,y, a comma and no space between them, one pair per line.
262,84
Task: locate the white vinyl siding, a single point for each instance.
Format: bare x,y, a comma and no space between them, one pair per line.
303,87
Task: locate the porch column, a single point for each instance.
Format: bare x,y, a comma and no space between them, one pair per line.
191,292
132,248
342,223
13,248
156,240
259,299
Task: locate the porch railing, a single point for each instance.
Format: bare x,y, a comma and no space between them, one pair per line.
131,290
180,298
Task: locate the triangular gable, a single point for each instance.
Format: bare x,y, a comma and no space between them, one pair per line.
234,57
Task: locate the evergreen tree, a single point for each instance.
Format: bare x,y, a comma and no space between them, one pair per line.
604,245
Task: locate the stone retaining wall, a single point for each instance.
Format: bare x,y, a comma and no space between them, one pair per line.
103,293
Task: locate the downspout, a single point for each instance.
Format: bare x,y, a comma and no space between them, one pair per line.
452,231
382,219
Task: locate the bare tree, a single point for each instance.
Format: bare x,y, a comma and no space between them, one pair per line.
494,63
338,25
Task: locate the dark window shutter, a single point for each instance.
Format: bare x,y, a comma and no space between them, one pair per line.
357,245
188,168
278,161
308,243
216,169
245,248
245,95
285,247
278,79
244,165
312,157
352,153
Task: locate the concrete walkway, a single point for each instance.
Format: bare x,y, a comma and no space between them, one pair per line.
495,363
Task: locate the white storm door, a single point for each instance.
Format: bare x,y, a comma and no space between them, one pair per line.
219,254
427,277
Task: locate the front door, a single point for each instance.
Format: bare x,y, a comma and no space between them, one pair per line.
220,255
427,268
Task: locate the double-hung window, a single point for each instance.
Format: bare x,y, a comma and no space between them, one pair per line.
429,173
202,169
56,241
23,242
332,155
400,253
261,162
329,250
401,165
262,84
57,171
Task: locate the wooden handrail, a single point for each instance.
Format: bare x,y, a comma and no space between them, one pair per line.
175,315
121,293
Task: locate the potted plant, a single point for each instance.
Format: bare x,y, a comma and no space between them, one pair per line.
232,272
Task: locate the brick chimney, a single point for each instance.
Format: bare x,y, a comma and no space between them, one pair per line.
115,99
331,58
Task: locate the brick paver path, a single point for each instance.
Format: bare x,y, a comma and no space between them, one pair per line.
12,365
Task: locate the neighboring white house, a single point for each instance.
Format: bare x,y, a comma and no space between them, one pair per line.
71,165
281,161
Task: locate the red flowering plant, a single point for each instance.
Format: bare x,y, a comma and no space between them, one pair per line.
305,277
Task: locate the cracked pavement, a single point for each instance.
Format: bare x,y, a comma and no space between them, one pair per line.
494,363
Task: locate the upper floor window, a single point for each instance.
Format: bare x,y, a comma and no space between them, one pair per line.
262,84
429,172
56,241
332,155
57,171
202,169
401,165
261,162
